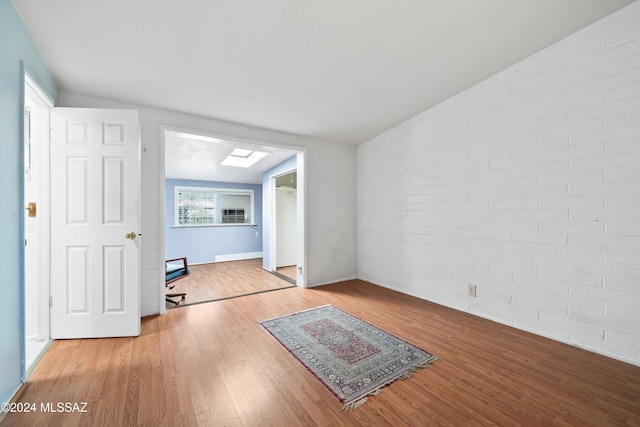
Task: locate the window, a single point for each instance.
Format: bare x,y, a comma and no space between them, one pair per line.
232,216
202,206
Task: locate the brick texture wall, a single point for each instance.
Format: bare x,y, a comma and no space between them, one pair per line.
526,185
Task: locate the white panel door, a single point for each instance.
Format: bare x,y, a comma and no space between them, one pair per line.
95,182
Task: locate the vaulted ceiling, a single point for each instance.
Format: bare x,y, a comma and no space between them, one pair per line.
341,71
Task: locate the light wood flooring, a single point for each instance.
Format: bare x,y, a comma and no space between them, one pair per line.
213,365
289,271
208,282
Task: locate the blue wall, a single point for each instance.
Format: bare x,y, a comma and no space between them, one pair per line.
202,244
16,51
290,164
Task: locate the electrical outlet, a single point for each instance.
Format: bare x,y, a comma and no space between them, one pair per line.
257,234
473,290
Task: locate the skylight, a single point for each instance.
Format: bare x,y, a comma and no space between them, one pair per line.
243,158
241,152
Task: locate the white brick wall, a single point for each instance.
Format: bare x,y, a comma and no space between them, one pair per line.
528,185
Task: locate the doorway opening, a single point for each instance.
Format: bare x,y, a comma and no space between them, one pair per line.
35,328
229,244
284,224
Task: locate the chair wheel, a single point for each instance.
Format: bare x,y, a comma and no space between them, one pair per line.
183,297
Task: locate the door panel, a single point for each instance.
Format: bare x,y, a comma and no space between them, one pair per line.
77,279
114,194
94,206
77,194
114,291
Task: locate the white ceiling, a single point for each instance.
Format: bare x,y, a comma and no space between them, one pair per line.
197,157
341,71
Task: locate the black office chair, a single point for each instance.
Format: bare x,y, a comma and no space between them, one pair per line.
177,268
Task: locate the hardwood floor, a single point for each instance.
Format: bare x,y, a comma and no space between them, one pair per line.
208,282
213,365
289,271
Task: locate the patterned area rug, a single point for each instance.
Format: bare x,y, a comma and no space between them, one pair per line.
351,357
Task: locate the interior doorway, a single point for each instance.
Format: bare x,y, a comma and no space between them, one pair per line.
35,225
239,254
284,222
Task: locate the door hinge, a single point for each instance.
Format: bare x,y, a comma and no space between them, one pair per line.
50,301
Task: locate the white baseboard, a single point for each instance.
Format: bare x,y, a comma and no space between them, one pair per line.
237,257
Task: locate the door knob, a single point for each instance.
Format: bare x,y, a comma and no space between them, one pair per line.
130,235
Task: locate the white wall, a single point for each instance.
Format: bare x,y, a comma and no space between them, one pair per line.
528,185
330,184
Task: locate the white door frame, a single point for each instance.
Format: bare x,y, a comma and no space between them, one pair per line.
42,100
301,159
273,243
301,203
